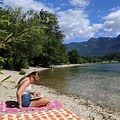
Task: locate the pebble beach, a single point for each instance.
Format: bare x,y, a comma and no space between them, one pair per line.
85,109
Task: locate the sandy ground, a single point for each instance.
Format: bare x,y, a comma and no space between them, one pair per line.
86,109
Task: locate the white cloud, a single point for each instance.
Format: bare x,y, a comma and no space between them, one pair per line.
112,22
27,5
75,23
79,3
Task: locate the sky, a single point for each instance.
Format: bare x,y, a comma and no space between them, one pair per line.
79,20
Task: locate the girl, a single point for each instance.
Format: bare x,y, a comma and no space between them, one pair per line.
24,94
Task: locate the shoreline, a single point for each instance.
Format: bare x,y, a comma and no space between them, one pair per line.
65,65
86,109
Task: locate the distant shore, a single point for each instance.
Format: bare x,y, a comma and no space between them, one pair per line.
66,65
86,109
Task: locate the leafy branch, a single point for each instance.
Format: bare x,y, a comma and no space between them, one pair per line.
4,80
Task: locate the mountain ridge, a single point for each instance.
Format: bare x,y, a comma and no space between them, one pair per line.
96,46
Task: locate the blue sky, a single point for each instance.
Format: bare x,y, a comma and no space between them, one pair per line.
79,19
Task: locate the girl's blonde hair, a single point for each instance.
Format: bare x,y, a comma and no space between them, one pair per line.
34,73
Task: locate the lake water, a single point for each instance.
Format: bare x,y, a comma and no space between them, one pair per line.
98,82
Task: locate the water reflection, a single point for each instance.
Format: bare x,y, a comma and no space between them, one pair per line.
99,82
54,78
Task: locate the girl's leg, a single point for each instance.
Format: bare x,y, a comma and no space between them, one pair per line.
39,102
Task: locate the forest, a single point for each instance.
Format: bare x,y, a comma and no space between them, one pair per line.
35,39
30,38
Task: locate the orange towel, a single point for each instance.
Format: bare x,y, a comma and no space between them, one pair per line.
59,114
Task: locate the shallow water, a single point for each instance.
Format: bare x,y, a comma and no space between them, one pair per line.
98,82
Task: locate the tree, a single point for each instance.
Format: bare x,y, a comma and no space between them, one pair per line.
30,37
53,52
74,57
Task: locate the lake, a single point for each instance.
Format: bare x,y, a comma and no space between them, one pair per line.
97,82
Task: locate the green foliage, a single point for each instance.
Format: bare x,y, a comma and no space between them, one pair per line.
112,57
22,72
54,53
24,64
30,38
8,64
1,62
35,38
74,57
5,79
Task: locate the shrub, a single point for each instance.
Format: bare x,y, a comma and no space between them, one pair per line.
22,72
8,64
24,64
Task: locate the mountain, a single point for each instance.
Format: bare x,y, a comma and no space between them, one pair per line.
96,46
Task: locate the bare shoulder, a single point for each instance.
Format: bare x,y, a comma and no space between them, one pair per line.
25,81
